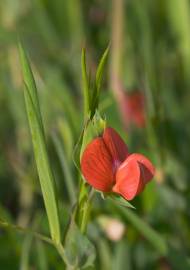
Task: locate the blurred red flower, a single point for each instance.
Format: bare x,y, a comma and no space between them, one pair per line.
133,109
107,166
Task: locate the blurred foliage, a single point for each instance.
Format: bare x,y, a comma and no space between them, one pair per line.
154,59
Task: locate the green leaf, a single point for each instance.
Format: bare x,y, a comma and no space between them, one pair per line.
93,129
65,167
150,234
98,82
77,151
39,146
25,255
178,259
122,256
29,80
105,254
86,90
120,200
100,69
66,133
41,256
79,252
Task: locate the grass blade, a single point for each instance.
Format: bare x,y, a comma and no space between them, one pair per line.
86,90
42,258
25,255
40,149
98,82
151,235
65,167
100,69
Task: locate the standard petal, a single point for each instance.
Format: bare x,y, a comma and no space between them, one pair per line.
128,179
132,176
97,166
116,146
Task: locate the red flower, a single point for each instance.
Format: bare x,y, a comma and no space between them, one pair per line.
107,166
133,109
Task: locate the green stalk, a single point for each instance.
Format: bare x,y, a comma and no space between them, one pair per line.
84,206
116,48
65,168
117,44
86,212
157,241
60,250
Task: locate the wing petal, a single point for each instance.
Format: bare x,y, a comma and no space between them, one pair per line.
132,176
127,179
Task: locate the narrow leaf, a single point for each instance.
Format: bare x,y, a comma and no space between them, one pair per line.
98,82
150,234
29,79
42,258
100,69
120,201
86,90
25,255
40,149
65,168
77,150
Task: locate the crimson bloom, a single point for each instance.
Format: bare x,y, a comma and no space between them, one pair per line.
133,109
107,166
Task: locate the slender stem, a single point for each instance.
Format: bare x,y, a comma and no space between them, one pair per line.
85,217
60,250
82,198
85,212
117,46
26,231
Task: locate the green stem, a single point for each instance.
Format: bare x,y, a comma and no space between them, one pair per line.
60,250
85,217
116,48
84,206
26,231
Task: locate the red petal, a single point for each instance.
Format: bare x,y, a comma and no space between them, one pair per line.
132,176
127,179
133,109
96,165
115,144
146,167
